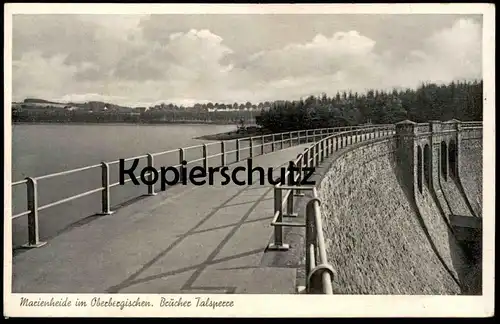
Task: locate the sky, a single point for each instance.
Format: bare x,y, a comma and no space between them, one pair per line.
141,60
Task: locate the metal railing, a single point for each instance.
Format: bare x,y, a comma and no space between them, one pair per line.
32,183
319,273
472,124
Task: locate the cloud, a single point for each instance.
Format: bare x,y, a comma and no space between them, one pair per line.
321,56
348,61
33,75
79,98
71,57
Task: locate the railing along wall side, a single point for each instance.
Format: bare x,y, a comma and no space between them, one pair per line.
319,274
32,183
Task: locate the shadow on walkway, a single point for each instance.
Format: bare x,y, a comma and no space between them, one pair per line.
211,260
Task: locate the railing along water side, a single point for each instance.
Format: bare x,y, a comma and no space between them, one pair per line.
247,145
319,273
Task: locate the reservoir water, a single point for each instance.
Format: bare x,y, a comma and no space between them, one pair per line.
40,149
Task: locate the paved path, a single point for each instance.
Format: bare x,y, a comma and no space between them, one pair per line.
208,239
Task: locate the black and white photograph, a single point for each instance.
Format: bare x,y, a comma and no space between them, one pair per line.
190,160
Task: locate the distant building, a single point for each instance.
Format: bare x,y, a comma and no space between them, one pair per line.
239,108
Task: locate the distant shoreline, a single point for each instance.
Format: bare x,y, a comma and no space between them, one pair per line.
225,136
120,123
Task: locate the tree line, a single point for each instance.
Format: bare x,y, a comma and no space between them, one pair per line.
145,117
456,100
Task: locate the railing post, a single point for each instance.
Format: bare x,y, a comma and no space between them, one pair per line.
105,197
282,142
317,153
251,147
151,186
223,153
322,150
298,138
205,162
311,240
290,201
238,150
298,192
32,204
273,139
278,229
262,141
291,139
311,157
181,159
290,204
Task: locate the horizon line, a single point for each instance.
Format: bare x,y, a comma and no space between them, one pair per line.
202,101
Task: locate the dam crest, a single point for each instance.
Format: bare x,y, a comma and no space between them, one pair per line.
402,214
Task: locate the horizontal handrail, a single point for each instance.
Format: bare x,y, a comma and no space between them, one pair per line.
21,214
164,152
83,194
186,148
52,175
20,182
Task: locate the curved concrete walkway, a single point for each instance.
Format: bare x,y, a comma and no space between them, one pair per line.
208,239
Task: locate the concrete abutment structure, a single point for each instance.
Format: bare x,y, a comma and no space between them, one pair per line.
431,154
437,189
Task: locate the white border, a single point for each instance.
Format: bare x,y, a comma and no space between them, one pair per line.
275,305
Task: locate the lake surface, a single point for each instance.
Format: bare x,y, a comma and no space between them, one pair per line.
40,149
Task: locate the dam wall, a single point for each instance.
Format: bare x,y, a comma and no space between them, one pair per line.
388,222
